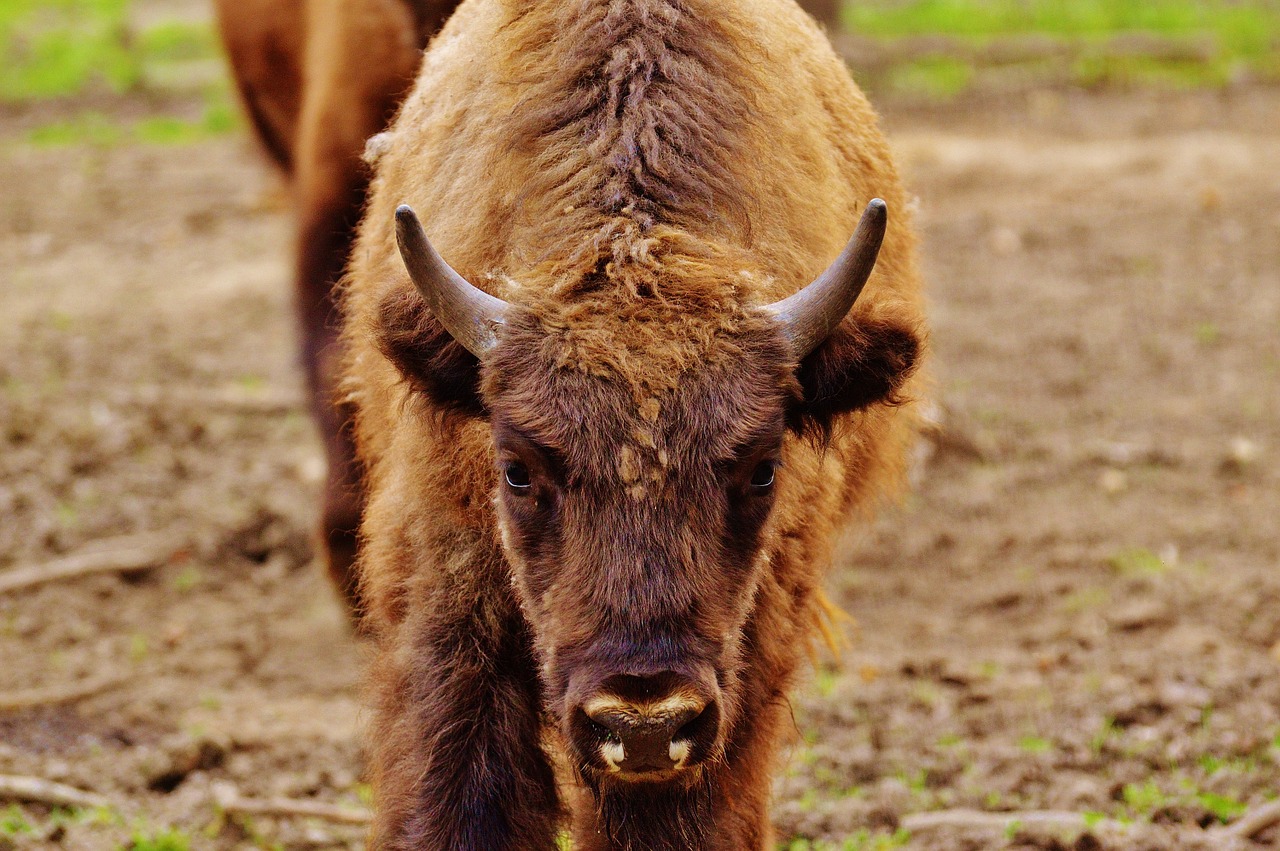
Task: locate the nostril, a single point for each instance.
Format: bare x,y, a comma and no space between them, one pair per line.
701,727
606,726
690,727
676,722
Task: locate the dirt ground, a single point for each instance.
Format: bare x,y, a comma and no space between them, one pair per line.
1078,609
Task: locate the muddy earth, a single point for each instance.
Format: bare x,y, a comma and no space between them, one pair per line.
1077,610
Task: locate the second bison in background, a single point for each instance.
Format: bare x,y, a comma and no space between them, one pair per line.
610,441
318,78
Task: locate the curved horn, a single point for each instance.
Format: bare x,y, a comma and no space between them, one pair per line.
809,316
466,312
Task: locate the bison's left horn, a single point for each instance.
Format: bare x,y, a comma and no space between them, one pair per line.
467,312
809,316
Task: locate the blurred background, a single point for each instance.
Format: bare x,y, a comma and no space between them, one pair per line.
1077,610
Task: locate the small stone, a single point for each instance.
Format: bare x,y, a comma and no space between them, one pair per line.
318,837
174,633
1113,481
1210,199
223,792
39,244
1046,662
1242,453
1139,614
311,469
1185,695
57,770
1006,241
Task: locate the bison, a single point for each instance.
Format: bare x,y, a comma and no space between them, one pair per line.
317,80
613,412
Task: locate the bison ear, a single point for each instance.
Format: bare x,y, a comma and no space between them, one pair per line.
859,364
433,363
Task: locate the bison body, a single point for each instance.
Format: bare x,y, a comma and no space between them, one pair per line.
317,79
598,518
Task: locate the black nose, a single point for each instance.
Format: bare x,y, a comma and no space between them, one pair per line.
642,725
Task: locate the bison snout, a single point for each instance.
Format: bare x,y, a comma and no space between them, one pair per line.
646,728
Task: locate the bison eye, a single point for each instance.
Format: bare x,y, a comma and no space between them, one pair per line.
762,476
518,476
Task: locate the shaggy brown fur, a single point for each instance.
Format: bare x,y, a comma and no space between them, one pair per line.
317,79
637,178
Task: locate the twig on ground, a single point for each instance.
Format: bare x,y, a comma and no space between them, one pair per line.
978,819
53,695
127,554
40,791
1252,822
232,803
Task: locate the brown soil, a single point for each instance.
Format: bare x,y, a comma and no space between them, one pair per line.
1078,609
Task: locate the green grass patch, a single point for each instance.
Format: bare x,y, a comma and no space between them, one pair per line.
1085,599
1107,733
139,647
1221,807
935,77
1035,744
1138,562
1144,799
826,680
1212,765
1134,71
187,579
13,822
97,816
167,130
89,128
60,48
1244,26
1208,334
177,41
166,839
96,129
1195,43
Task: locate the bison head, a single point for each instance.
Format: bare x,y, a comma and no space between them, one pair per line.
638,462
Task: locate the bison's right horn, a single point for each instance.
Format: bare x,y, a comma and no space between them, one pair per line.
809,316
468,313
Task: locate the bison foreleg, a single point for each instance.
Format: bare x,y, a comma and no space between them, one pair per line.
457,756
